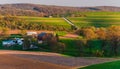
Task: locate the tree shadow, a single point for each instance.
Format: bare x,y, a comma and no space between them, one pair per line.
98,21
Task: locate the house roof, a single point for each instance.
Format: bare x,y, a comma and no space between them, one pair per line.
42,34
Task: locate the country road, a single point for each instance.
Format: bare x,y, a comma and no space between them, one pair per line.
44,60
68,21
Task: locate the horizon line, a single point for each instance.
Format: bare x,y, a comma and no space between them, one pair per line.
61,5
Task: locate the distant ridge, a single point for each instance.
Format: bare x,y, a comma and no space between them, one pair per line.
47,10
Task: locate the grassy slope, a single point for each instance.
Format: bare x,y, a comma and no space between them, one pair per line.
109,65
99,13
98,19
48,21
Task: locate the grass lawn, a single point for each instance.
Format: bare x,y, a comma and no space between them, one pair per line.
71,49
61,33
108,65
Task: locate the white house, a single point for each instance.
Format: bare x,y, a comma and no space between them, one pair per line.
31,33
18,41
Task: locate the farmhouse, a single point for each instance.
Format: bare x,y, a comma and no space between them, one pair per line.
13,39
43,36
11,42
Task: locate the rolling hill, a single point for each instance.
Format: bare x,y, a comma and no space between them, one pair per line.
47,10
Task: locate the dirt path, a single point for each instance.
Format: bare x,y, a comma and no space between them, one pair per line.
44,60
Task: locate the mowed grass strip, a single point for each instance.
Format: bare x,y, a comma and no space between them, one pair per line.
108,65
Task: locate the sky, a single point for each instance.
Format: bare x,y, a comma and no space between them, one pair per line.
74,3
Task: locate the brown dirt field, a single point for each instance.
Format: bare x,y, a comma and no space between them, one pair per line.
12,62
45,60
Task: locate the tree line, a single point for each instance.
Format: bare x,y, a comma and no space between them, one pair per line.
41,10
107,38
13,23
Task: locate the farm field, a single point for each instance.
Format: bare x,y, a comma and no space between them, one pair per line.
96,20
53,22
91,19
56,35
99,13
45,60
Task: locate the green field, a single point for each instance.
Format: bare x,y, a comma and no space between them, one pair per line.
92,20
55,22
97,19
109,65
99,13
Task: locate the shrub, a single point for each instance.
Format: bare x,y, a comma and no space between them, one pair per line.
23,32
81,46
98,53
61,47
26,42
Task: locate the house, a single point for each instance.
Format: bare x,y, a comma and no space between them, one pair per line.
8,43
11,42
50,16
31,33
43,36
